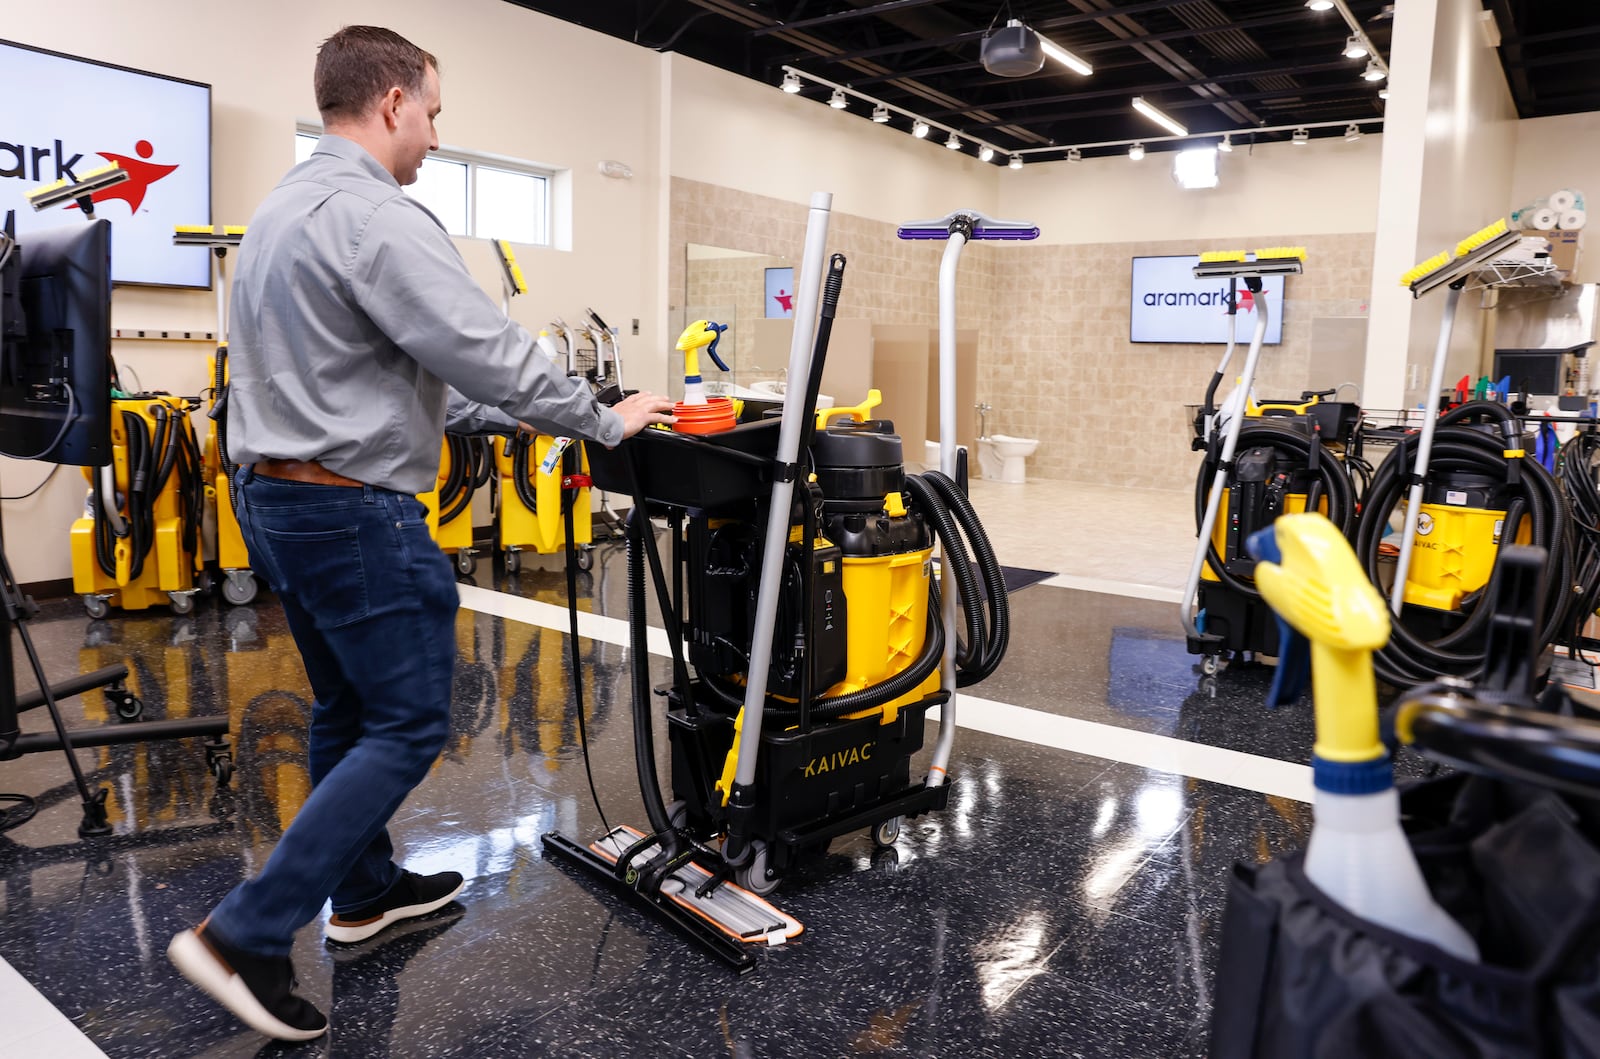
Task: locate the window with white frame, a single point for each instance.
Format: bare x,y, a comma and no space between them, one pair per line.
474,195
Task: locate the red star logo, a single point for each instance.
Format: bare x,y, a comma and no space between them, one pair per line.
1247,301
141,175
785,301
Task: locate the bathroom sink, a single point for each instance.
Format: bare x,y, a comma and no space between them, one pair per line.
766,390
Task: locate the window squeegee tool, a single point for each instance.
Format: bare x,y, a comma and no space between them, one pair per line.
971,224
82,192
1445,270
1232,264
229,235
511,279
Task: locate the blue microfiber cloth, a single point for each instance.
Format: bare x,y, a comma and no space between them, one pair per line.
1293,674
1546,446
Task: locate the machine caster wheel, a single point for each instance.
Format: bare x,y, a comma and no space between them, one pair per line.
128,706
96,607
219,762
513,561
182,602
465,563
585,559
756,876
1209,664
886,833
239,587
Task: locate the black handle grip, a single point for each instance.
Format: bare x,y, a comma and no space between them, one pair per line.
1526,746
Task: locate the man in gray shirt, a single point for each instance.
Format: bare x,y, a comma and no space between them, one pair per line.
354,315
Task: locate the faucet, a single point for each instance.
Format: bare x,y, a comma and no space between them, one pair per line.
983,408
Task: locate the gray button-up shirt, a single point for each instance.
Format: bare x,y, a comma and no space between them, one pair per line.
352,310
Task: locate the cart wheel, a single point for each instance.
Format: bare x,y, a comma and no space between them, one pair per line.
513,561
96,606
465,563
219,761
886,833
182,602
756,876
585,559
239,587
128,706
1209,665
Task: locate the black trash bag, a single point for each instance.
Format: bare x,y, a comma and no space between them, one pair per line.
1518,867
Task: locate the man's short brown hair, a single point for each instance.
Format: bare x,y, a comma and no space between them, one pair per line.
358,64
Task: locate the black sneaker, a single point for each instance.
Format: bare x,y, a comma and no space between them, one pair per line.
258,989
411,896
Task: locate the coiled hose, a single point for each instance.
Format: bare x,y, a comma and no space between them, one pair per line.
521,458
1408,659
1576,473
151,463
1330,480
455,492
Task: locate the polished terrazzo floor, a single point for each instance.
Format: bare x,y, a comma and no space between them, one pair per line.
1065,904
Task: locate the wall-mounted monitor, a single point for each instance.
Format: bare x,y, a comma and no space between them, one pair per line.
1170,305
75,115
780,293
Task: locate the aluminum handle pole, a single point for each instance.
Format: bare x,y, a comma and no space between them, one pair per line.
777,539
221,256
1402,566
1219,482
948,591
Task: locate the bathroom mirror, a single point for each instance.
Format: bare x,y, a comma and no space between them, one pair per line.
733,287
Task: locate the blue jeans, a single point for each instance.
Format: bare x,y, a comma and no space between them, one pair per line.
371,602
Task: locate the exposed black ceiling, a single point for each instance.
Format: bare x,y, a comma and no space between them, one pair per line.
1213,65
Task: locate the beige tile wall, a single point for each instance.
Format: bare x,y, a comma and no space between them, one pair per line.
1054,357
731,290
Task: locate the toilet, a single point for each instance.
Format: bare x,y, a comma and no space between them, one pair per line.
1001,457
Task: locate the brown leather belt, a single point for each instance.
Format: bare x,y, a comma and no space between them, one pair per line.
308,471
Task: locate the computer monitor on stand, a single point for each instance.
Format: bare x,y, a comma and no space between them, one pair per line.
55,406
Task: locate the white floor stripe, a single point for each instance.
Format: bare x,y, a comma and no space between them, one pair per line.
32,1026
1147,750
1159,593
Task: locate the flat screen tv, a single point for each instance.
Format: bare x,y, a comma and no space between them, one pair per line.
80,115
1170,305
55,346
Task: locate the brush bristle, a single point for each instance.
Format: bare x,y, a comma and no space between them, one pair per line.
1479,237
1221,255
1281,253
1437,261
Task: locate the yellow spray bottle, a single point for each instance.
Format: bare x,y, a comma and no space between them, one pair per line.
702,334
1358,854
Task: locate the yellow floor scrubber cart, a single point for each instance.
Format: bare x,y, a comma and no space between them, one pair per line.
805,628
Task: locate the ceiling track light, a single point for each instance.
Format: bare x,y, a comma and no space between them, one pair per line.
1065,57
986,153
1301,137
954,142
1074,155
1320,5
1136,152
880,114
1355,47
837,100
1352,133
1016,162
1374,72
791,82
1159,117
1226,144
1383,93
919,129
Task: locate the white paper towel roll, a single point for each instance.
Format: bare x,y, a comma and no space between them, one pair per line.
1571,219
1542,219
1562,200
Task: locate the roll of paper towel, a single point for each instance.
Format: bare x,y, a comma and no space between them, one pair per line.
1562,200
1541,219
1571,219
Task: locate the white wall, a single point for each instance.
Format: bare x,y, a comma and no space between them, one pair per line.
736,133
511,86
1561,152
1450,148
1325,187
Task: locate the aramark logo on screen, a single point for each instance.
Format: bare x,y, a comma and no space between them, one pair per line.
1187,297
43,165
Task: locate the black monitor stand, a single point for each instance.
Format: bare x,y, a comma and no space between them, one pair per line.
15,610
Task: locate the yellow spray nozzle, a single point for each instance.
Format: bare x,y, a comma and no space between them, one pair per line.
1479,237
1222,255
1416,272
702,334
1317,585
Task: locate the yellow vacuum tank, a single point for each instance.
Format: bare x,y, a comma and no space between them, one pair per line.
1459,529
886,555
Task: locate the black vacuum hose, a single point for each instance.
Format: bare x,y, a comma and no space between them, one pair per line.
953,515
644,750
527,492
456,491
1576,472
1331,481
1408,659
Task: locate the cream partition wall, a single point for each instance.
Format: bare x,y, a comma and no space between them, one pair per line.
514,83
